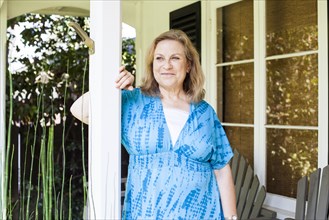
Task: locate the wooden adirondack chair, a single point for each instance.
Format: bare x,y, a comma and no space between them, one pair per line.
250,195
317,198
123,190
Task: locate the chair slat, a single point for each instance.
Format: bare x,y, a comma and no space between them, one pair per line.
251,198
269,214
302,187
123,190
245,189
313,194
322,212
258,203
240,176
235,164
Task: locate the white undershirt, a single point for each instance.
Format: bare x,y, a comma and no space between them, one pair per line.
176,120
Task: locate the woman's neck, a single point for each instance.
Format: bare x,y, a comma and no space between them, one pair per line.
175,99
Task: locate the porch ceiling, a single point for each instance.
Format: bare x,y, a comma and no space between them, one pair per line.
64,7
19,7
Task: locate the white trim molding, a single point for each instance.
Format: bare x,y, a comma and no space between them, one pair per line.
323,83
259,91
3,54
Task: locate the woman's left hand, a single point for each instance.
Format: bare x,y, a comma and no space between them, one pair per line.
125,79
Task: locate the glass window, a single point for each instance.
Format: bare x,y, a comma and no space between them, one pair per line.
291,26
290,155
242,138
292,91
235,82
291,86
235,32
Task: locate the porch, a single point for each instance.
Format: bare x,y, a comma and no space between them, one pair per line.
274,123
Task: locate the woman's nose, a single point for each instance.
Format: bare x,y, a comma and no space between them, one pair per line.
167,64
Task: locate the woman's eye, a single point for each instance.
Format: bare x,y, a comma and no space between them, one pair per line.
159,58
175,58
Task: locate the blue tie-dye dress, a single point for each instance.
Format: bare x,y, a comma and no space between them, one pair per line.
167,181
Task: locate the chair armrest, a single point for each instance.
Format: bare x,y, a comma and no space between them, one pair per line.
264,212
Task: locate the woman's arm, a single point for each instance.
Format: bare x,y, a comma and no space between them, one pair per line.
227,191
80,108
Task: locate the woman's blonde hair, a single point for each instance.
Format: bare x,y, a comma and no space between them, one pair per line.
194,81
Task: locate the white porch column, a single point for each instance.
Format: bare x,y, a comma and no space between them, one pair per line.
104,179
3,30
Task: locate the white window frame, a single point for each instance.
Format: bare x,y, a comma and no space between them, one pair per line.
284,206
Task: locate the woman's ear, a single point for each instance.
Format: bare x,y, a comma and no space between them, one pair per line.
188,68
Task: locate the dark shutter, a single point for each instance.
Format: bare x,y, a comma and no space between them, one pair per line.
188,19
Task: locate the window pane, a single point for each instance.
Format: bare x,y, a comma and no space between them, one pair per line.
291,26
242,139
292,91
235,33
235,89
291,154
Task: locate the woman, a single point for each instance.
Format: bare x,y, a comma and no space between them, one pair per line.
179,152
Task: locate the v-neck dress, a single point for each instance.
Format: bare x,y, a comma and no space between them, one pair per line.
167,181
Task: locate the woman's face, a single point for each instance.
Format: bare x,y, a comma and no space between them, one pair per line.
170,65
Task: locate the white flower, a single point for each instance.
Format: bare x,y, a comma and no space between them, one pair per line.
54,94
66,75
42,122
44,77
57,118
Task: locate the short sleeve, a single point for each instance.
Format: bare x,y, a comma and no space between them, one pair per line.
128,107
127,95
222,151
129,98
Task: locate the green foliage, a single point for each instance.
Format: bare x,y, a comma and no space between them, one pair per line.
57,62
129,55
53,44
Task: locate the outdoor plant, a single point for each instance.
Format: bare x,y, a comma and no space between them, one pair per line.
46,159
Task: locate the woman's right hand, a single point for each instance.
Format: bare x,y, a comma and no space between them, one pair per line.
125,79
80,108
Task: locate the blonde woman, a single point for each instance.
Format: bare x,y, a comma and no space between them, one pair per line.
179,152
